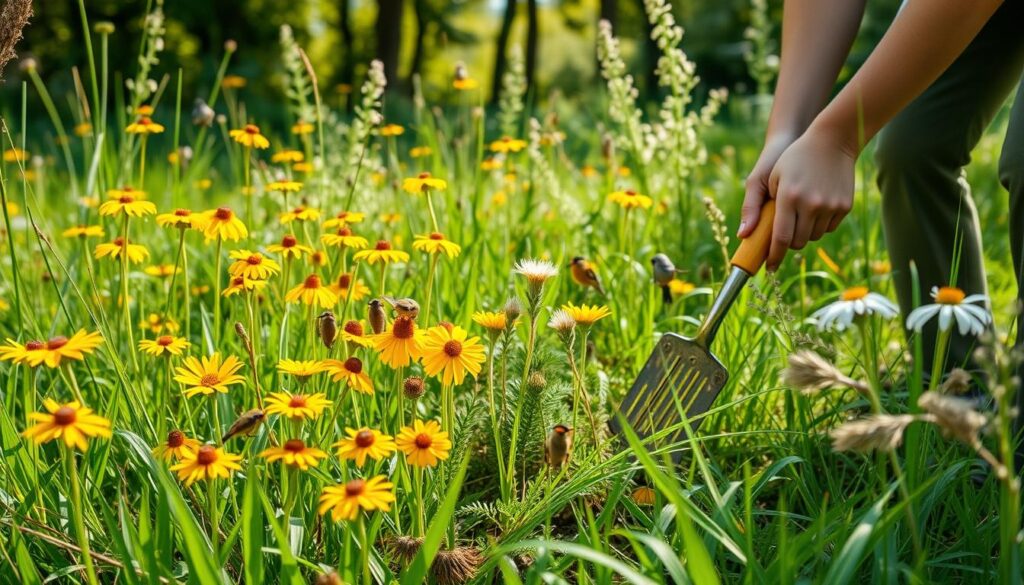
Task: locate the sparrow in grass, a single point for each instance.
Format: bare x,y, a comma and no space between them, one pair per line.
664,271
558,446
583,273
404,307
246,424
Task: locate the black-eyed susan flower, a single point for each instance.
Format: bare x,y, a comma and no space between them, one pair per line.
680,288
344,238
345,500
71,422
424,444
507,144
127,201
422,183
252,265
296,453
250,137
136,252
181,219
290,248
162,270
302,370
303,167
491,164
284,187
318,259
391,218
450,354
83,129
15,155
586,315
493,322
881,267
346,288
381,252
400,344
969,312
177,446
301,128
300,213
465,84
52,352
240,284
853,302
155,323
351,372
435,243
224,224
233,82
165,345
207,462
288,156
589,171
312,291
144,110
144,125
297,406
630,199
344,218
208,375
363,443
83,231
420,151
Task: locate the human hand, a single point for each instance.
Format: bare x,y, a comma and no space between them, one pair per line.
812,183
757,181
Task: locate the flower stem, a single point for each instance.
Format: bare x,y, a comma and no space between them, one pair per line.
939,357
78,518
211,501
217,288
430,288
364,552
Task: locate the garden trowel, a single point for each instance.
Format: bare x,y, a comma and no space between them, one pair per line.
682,376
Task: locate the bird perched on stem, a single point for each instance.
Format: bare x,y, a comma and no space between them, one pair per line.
246,424
558,446
404,307
375,315
583,273
202,114
664,271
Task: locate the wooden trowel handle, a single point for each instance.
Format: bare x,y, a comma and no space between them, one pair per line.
753,250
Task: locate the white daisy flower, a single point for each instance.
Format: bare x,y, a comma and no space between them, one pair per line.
536,271
969,311
854,302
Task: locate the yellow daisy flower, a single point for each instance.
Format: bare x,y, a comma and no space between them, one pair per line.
491,321
156,324
288,156
223,223
300,213
250,137
344,238
424,444
233,82
165,345
53,351
363,443
180,218
136,252
127,201
177,446
345,500
400,344
341,287
208,375
630,199
71,422
344,218
451,354
435,243
420,151
508,144
302,128
312,292
290,248
297,406
422,183
382,253
240,284
586,315
252,265
15,155
351,371
294,452
207,462
144,125
162,270
391,130
284,187
301,369
83,231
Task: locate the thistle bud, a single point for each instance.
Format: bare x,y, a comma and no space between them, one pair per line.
536,382
103,27
413,387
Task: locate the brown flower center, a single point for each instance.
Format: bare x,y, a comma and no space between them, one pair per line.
344,232
354,488
119,242
145,121
175,439
125,199
64,416
289,241
294,445
424,441
164,340
297,401
354,328
317,257
57,342
209,380
238,281
255,259
182,212
312,281
354,365
34,345
424,175
403,328
344,280
223,214
453,349
206,455
436,236
383,245
365,438
413,386
252,129
630,192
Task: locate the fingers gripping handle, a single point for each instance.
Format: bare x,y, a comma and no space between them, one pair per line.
753,250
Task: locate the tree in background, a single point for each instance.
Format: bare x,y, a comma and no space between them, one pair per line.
389,36
501,48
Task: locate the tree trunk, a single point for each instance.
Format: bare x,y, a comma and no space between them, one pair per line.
650,58
500,55
610,11
348,50
421,35
389,36
532,39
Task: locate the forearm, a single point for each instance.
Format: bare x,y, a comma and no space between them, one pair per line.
816,39
924,39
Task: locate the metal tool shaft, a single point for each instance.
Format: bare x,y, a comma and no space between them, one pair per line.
731,288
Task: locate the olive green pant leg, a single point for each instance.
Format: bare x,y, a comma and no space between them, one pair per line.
920,156
1011,175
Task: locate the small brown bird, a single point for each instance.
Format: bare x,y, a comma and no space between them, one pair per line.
558,446
583,273
375,315
404,307
327,327
246,424
663,271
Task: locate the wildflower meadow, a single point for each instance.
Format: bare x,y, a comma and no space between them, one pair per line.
274,328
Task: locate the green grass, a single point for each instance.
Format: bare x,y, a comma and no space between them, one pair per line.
760,496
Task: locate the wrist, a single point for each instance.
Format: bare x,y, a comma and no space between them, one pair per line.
844,135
